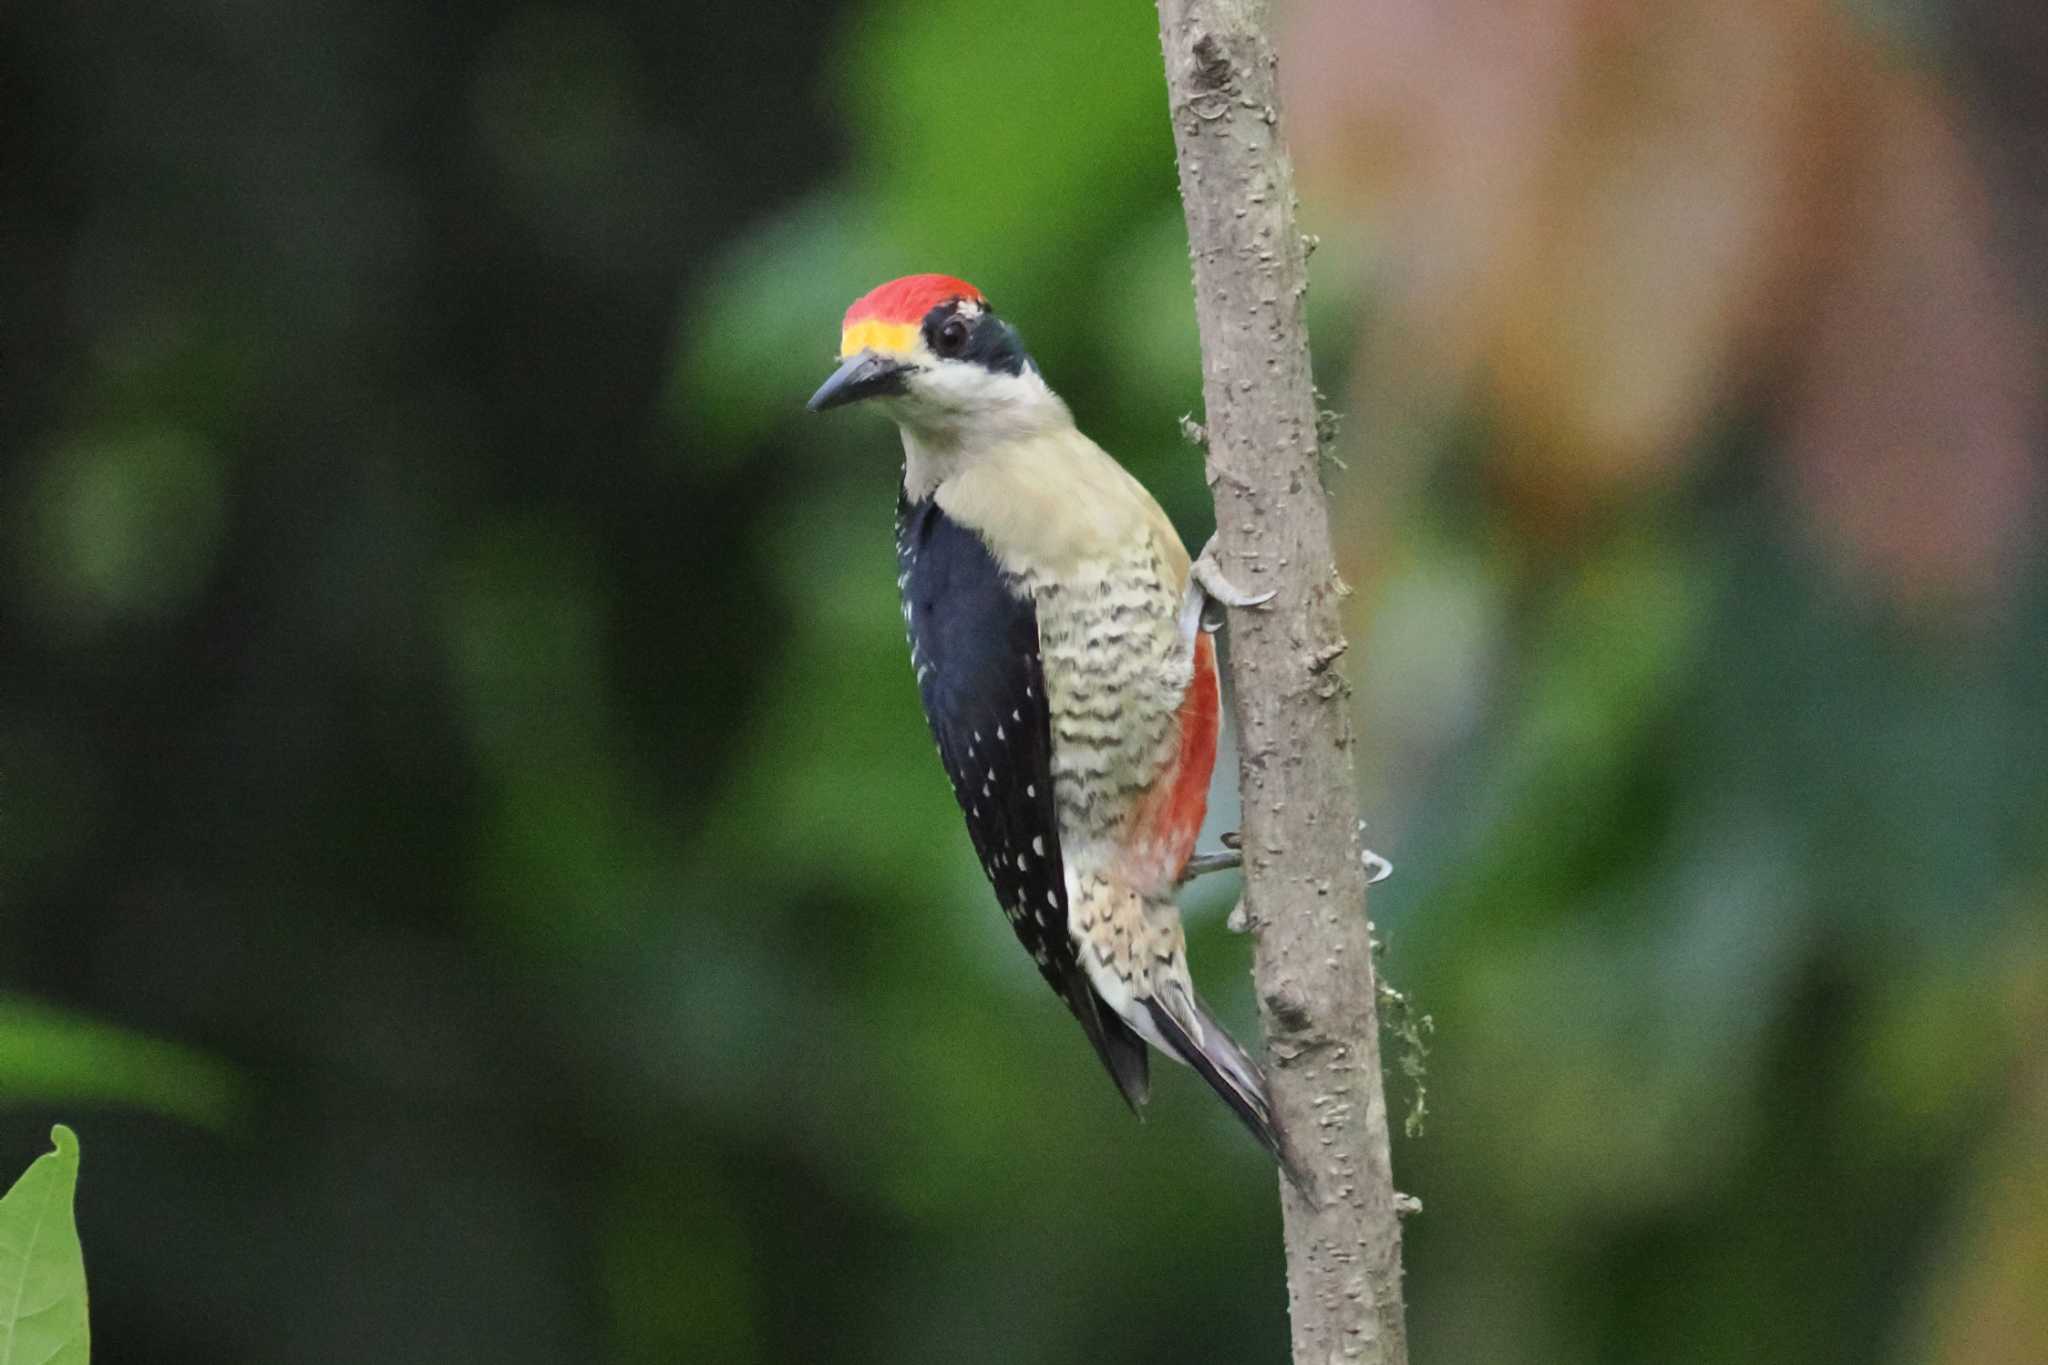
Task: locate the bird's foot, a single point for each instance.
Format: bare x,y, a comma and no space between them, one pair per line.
1377,869
1205,574
1216,860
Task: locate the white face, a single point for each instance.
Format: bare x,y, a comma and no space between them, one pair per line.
957,388
956,402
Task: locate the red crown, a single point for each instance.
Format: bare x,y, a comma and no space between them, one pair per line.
909,299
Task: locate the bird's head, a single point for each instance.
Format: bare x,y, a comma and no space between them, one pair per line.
936,354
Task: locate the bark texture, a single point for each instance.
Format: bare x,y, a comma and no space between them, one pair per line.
1304,879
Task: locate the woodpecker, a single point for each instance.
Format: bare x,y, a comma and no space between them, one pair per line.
1055,628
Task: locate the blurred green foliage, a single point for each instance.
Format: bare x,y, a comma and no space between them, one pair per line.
453,704
49,1055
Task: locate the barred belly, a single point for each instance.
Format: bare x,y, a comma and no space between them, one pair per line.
1116,672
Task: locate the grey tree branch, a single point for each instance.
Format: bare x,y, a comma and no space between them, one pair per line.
1304,878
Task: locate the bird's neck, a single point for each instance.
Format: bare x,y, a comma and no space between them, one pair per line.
939,443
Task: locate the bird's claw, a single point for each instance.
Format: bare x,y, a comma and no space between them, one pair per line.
1206,572
1377,869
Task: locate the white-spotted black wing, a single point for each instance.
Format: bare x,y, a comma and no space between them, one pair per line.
974,645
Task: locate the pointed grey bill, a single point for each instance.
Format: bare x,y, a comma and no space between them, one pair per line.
866,375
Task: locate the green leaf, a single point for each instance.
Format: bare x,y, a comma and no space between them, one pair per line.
42,1270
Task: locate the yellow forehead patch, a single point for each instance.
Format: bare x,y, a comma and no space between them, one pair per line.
871,334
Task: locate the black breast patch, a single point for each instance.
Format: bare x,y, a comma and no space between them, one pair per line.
974,645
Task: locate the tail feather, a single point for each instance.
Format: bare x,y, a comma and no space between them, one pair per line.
1121,1049
1232,1074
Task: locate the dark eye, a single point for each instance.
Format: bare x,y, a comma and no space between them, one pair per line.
953,337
